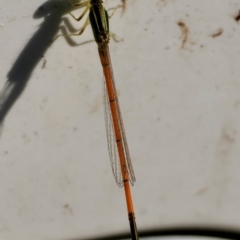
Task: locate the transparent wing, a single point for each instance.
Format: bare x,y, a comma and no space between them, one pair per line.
125,145
112,146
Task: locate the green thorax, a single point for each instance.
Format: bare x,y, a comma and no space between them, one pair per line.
98,17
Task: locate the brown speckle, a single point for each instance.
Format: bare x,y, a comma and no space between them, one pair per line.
123,6
228,137
201,191
185,32
217,33
95,108
67,209
237,17
26,138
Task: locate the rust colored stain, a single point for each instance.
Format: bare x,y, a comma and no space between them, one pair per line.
217,33
237,17
124,5
185,32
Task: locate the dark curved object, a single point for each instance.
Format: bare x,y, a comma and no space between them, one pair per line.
225,233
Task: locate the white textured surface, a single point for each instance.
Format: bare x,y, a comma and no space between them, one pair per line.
181,109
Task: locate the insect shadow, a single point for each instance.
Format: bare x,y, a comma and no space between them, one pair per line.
21,70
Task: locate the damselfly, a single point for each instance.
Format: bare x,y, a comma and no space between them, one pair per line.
117,142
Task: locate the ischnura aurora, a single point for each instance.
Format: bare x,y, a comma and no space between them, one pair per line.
117,142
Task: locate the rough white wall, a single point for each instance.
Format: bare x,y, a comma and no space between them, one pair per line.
177,74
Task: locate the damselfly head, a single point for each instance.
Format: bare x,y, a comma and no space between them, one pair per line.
96,2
